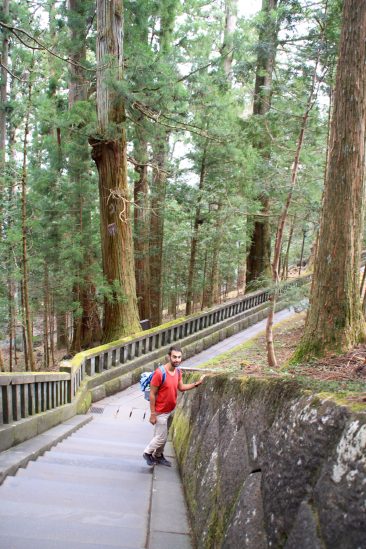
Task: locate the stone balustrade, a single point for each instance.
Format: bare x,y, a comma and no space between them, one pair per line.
25,394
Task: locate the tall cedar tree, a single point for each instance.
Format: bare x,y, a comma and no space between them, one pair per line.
86,325
4,12
141,185
110,155
259,257
335,320
160,148
211,291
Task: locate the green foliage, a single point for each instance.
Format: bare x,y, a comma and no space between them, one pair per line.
177,85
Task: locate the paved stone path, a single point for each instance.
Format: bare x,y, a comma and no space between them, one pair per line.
94,490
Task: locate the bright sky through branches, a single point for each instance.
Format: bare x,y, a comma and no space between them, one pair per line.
247,8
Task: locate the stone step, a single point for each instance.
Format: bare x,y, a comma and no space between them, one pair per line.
21,454
123,412
95,448
122,435
18,542
113,431
69,533
132,463
123,503
82,475
65,470
101,512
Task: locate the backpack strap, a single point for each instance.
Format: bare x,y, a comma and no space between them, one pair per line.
163,373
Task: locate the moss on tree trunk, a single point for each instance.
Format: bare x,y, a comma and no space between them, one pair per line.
335,320
110,155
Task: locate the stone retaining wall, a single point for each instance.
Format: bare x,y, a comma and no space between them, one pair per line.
265,464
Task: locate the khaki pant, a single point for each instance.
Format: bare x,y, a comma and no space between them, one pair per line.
157,443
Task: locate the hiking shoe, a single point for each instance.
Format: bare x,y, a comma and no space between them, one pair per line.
161,460
149,458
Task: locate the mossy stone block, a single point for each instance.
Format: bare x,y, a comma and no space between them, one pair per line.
254,319
98,393
127,380
215,338
49,419
207,341
189,351
199,347
25,429
6,437
112,386
84,403
68,411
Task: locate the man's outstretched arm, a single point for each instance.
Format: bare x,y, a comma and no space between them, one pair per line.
188,386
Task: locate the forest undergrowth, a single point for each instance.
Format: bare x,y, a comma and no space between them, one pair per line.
343,373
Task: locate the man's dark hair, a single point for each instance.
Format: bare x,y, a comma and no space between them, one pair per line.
175,348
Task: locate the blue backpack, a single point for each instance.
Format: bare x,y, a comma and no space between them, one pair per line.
145,381
146,378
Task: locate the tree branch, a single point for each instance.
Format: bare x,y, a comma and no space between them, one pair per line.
158,116
11,74
41,46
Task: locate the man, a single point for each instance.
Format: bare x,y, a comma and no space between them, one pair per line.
163,399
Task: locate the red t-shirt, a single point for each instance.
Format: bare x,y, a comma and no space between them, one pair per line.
167,394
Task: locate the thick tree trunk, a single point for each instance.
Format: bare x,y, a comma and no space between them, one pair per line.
215,273
212,290
120,309
12,311
160,148
335,320
110,155
204,282
302,251
141,228
86,325
52,328
4,12
27,310
231,13
192,262
46,354
259,257
241,280
87,328
272,362
194,242
141,186
158,193
11,323
24,331
172,306
62,336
